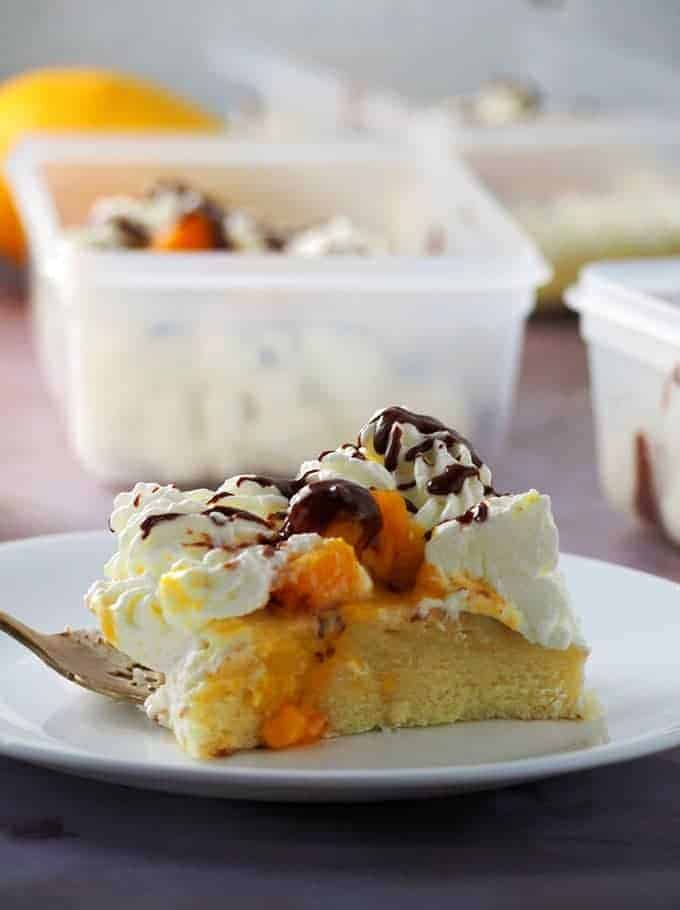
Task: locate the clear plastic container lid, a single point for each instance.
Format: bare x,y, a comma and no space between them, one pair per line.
632,305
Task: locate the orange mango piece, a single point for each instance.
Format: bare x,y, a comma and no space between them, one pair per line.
397,554
429,583
349,531
322,578
293,725
193,231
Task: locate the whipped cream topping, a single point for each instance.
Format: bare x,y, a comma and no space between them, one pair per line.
130,617
245,234
434,468
337,236
224,586
349,463
130,222
157,525
187,560
117,232
164,204
514,550
175,545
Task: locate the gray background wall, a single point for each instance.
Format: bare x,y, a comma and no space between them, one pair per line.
619,51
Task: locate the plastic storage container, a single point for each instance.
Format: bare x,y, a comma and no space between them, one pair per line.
630,319
187,367
584,188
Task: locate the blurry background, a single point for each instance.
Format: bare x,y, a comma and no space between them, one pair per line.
577,169
615,52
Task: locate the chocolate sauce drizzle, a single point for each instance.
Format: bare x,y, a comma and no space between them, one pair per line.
151,521
387,442
425,446
393,449
478,513
287,486
274,241
218,496
261,480
324,501
135,235
227,513
355,451
645,498
451,479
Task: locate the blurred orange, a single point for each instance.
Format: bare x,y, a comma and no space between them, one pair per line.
82,99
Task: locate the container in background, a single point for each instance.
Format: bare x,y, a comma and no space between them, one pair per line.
584,188
585,182
187,367
630,319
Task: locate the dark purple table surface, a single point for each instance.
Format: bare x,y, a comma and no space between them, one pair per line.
605,838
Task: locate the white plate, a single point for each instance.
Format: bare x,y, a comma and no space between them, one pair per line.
632,621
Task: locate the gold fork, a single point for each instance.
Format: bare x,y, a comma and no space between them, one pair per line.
83,657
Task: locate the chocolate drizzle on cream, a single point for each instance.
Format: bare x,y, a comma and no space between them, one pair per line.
286,486
315,504
219,515
134,235
478,513
219,496
151,521
262,481
321,503
387,436
451,480
393,448
228,513
355,451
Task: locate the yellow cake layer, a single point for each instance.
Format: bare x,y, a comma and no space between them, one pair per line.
372,665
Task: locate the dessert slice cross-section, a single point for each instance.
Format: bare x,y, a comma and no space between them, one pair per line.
387,585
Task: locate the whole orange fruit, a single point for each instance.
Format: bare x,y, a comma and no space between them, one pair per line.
82,99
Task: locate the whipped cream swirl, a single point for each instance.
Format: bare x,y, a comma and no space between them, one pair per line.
176,545
434,467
